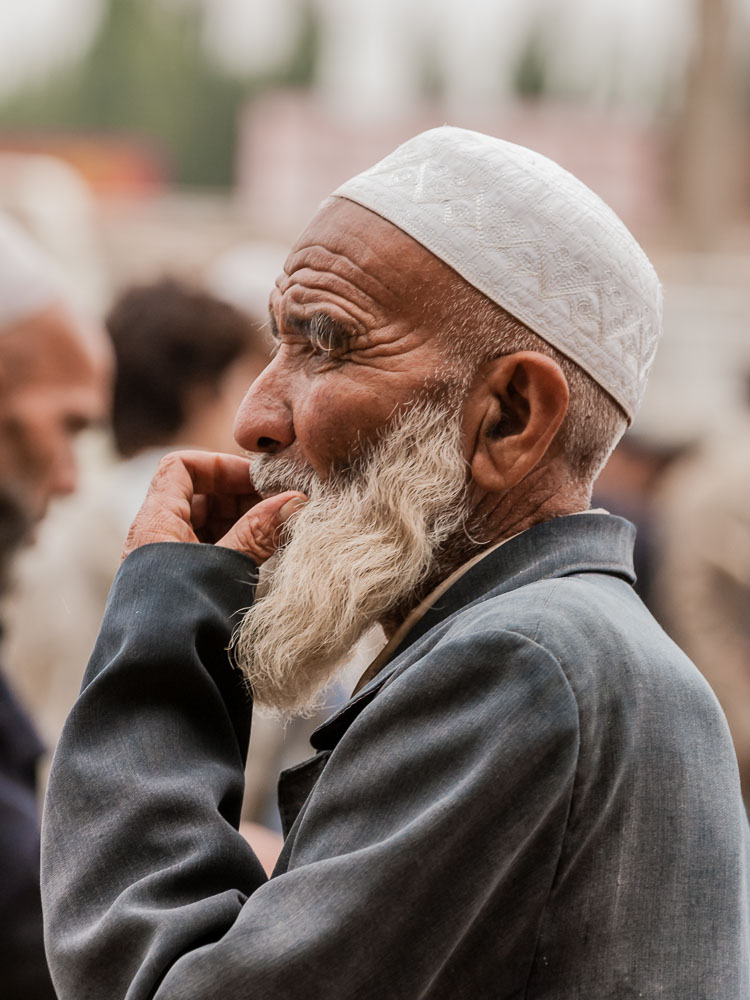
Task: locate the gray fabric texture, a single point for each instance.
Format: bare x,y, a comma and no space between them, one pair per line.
536,798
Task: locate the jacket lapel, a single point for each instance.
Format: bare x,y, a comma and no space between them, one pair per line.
564,546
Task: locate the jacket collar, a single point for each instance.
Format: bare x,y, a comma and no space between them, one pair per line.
563,546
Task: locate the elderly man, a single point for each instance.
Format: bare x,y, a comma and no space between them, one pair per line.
532,792
53,376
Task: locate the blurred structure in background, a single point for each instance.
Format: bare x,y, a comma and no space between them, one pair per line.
710,136
195,137
199,125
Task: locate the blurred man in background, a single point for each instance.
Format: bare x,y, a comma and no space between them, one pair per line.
53,383
183,362
702,585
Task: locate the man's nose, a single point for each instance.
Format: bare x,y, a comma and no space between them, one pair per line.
264,420
63,477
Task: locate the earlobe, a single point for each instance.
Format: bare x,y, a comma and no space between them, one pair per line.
520,403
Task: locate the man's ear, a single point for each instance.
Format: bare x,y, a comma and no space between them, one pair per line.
514,411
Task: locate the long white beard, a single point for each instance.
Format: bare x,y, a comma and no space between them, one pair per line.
363,545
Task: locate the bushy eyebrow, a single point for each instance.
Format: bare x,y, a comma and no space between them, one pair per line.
323,331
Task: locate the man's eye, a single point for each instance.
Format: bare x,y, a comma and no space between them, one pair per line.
325,350
322,348
327,338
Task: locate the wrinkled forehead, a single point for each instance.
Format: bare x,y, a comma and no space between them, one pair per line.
533,239
358,246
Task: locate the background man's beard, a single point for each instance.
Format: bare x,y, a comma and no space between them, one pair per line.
15,532
364,544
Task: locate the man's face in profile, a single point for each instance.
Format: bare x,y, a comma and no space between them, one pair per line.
355,341
53,385
361,411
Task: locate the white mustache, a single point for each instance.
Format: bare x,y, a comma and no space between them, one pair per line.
273,474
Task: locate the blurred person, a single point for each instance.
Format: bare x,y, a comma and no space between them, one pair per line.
53,383
702,587
57,208
627,486
532,791
183,361
184,357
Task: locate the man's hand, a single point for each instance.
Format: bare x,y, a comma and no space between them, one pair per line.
197,496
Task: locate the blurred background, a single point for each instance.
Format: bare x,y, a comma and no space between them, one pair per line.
144,135
194,138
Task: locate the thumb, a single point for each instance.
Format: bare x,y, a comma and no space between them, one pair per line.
258,532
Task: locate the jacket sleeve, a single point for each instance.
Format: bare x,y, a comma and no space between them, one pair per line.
413,839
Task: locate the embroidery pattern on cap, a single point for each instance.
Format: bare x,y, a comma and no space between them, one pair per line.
534,239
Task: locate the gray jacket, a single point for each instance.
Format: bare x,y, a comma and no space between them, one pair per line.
537,797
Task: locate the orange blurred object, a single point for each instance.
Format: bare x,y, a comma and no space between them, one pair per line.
119,165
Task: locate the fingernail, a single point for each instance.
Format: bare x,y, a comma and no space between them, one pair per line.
291,507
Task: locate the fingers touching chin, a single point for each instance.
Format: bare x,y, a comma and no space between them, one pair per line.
258,533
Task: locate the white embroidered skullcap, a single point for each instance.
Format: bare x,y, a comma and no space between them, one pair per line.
532,238
29,280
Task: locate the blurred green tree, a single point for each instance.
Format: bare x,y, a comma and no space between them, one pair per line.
147,74
529,78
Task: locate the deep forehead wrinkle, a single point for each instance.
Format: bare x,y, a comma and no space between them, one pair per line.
301,301
356,264
376,262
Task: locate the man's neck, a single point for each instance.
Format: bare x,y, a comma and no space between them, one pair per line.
544,494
